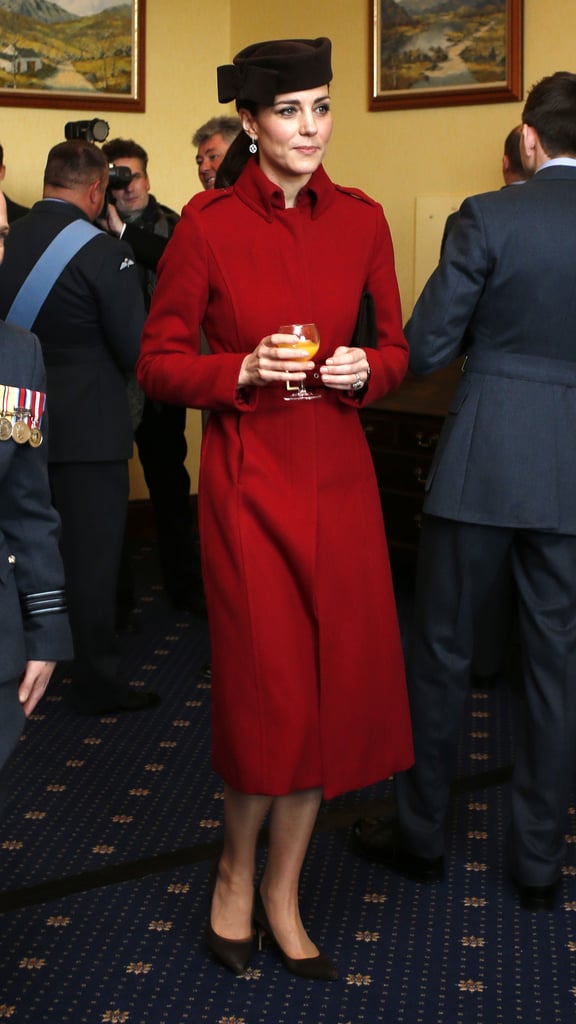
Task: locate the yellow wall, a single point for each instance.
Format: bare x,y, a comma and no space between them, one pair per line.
185,42
399,157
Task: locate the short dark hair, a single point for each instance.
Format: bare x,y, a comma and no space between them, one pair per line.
116,149
512,150
550,109
74,163
1,154
227,127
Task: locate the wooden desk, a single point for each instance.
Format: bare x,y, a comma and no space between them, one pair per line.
402,431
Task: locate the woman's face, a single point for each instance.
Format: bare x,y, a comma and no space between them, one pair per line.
292,134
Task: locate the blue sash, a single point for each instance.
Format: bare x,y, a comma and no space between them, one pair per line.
44,274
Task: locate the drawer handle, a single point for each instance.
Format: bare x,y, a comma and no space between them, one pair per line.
419,475
426,442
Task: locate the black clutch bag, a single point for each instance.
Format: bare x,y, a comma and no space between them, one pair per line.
365,332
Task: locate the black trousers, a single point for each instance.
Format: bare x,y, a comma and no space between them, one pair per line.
12,718
12,722
458,565
160,438
92,499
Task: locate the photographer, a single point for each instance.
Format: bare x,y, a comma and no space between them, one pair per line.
160,435
89,319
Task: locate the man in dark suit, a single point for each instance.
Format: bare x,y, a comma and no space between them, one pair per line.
89,327
513,173
502,486
34,625
494,648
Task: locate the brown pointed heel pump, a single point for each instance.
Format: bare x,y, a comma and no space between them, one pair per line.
318,968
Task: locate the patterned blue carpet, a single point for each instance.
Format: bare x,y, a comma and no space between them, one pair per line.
105,853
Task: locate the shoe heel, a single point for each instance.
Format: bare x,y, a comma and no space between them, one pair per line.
318,968
261,939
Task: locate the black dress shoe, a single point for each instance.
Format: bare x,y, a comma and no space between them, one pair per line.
537,897
377,839
314,968
126,700
235,954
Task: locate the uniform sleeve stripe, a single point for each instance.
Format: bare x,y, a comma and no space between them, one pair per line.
43,603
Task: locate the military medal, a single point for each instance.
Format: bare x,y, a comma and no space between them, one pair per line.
38,400
5,422
21,429
21,415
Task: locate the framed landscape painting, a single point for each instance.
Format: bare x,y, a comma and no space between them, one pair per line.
79,54
437,53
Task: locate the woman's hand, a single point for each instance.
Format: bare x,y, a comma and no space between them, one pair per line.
269,363
33,684
345,369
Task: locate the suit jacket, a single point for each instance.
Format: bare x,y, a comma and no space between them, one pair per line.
450,222
34,623
89,328
505,294
14,210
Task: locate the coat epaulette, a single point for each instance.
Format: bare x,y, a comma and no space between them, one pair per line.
356,193
210,196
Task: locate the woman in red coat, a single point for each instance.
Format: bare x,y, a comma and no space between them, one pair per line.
308,684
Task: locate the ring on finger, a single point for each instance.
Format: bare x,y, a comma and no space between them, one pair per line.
358,383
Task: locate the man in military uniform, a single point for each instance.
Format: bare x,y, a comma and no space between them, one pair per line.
501,492
160,434
89,322
33,620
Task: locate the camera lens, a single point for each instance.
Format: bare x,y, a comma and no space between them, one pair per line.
100,129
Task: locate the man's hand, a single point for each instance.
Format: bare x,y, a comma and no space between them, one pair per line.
112,222
33,684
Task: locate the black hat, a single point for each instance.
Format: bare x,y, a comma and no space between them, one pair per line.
263,70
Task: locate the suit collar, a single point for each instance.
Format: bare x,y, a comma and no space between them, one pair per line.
565,171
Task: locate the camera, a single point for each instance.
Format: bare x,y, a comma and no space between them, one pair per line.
97,130
119,177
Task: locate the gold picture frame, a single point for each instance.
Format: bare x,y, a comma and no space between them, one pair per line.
440,53
82,62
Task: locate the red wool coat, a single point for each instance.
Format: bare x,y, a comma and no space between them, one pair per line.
308,681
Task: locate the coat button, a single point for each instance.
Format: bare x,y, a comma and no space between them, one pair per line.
11,559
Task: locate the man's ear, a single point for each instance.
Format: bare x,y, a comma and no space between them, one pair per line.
94,199
95,191
529,138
